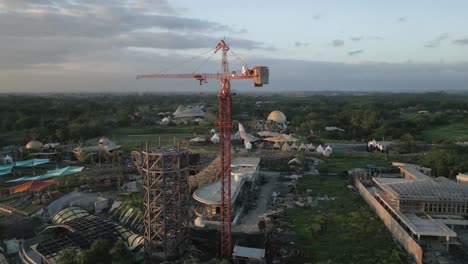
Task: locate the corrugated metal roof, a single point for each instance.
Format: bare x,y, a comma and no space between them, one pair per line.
248,252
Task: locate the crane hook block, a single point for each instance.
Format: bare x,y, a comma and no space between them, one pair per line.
262,75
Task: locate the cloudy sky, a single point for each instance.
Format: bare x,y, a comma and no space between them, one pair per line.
97,45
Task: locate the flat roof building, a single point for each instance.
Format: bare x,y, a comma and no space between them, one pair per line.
418,207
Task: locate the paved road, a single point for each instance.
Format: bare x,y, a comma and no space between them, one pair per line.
346,145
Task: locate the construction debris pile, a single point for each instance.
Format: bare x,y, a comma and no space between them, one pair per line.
280,246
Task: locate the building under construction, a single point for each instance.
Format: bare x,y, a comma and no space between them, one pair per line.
244,172
165,174
422,212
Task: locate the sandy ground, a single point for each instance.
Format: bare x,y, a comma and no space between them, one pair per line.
249,222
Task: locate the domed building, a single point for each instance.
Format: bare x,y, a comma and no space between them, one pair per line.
74,227
277,116
34,145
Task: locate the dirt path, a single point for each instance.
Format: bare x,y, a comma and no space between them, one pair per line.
249,222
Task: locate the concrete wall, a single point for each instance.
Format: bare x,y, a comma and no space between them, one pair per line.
100,204
398,232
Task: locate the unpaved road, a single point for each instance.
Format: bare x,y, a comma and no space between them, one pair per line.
249,222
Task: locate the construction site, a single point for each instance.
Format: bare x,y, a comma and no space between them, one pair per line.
259,193
193,204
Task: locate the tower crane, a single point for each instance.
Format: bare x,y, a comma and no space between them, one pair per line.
260,76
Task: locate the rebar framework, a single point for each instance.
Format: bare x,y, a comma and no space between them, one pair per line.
166,197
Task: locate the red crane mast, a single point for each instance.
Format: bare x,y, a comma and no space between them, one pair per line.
260,76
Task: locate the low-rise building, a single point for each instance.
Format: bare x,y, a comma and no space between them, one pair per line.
419,210
244,172
74,227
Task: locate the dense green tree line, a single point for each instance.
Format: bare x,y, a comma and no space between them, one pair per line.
71,117
447,162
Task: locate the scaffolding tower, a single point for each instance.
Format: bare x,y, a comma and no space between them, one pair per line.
166,195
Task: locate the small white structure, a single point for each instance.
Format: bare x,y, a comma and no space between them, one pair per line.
286,147
294,147
302,147
378,145
276,146
198,140
215,138
327,151
248,145
319,149
165,121
310,147
7,159
199,222
200,120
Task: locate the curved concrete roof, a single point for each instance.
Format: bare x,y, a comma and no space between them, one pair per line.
246,136
242,169
69,214
211,193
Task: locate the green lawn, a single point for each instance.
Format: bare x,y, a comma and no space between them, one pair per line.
133,141
350,232
452,132
345,159
134,137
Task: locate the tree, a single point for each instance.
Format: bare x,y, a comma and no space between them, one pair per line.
68,256
408,141
442,161
120,254
97,254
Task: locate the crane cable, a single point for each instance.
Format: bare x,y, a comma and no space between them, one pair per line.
204,62
185,61
239,58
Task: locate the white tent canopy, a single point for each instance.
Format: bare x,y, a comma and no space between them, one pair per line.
319,149
286,147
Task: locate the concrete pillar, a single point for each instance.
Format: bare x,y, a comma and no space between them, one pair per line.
419,237
448,239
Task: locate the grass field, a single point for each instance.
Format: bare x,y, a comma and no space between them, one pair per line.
349,232
453,132
345,159
135,137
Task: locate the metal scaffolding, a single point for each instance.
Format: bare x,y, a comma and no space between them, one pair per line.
166,197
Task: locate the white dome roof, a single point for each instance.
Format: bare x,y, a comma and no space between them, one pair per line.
34,145
277,116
